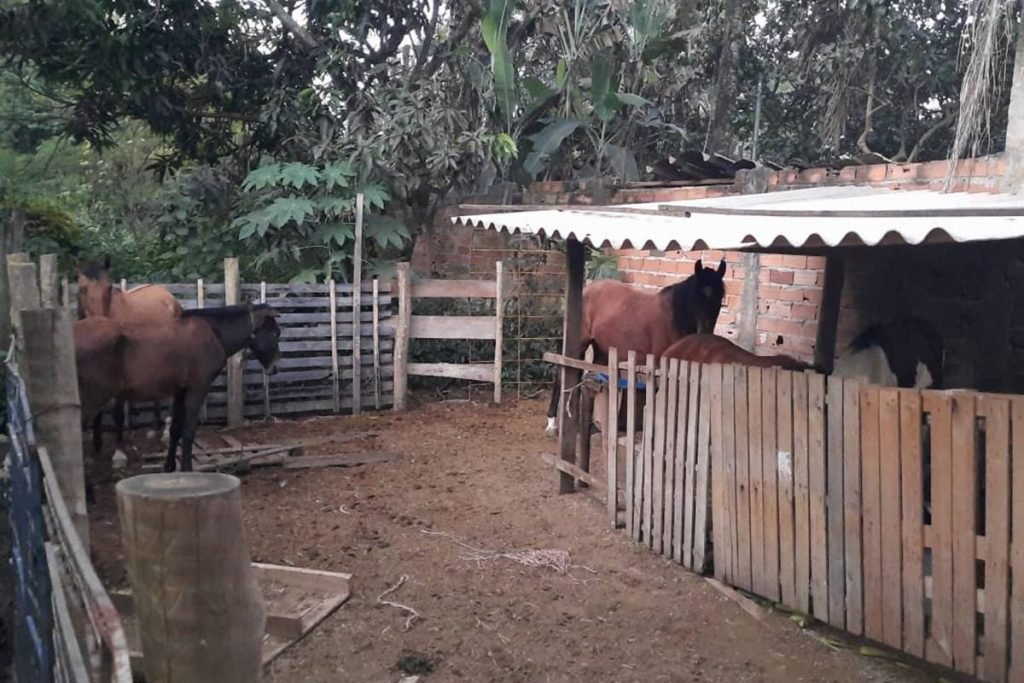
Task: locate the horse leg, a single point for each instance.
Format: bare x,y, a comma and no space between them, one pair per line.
192,407
177,420
120,459
97,446
556,389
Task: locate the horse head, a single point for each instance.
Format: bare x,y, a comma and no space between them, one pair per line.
263,342
95,288
697,300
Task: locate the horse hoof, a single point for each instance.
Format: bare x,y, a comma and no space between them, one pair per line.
119,461
552,429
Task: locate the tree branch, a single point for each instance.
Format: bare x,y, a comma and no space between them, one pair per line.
292,26
930,133
428,38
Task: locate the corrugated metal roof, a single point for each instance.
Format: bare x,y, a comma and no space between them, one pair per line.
807,218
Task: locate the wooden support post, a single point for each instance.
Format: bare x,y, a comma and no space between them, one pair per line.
499,322
357,311
575,258
402,332
747,326
65,293
266,377
611,437
200,611
201,303
127,404
828,318
51,380
332,301
24,290
376,344
236,391
49,281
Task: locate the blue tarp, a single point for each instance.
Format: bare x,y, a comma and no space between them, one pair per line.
602,377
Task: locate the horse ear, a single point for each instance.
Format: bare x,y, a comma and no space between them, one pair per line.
721,268
698,266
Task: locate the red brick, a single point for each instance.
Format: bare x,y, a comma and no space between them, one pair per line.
781,277
794,261
874,173
801,311
780,325
771,259
805,278
733,287
813,176
933,169
816,262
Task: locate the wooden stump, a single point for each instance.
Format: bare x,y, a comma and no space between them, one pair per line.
200,611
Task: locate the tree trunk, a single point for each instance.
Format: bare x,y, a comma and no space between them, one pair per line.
201,614
1013,180
12,235
719,132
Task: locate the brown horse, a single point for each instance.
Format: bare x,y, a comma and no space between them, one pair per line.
179,358
710,348
618,315
97,296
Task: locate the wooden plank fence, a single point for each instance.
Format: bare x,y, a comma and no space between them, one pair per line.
315,373
894,514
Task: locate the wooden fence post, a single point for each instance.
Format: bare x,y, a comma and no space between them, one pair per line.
499,330
236,389
266,377
200,611
49,281
332,301
376,344
51,380
357,311
569,413
24,290
402,332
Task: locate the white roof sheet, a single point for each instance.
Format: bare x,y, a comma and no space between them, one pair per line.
807,218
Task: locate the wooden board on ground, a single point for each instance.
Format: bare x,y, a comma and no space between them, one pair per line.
296,599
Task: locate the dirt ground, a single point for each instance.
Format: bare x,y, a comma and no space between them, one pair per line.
470,474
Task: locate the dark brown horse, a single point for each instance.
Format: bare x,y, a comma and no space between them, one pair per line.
97,296
710,348
177,359
618,315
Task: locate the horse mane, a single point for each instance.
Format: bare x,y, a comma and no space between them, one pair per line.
92,270
221,312
682,320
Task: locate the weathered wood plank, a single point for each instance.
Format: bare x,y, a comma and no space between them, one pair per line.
454,289
611,437
632,504
784,467
742,577
770,479
346,460
912,468
700,494
801,497
671,418
852,510
683,477
817,484
719,497
480,372
834,504
871,506
940,408
1016,617
452,327
995,644
891,532
755,445
656,540
650,417
577,473
964,560
692,441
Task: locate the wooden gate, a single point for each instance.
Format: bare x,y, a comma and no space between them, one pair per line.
884,512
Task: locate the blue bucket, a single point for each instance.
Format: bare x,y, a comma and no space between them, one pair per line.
602,377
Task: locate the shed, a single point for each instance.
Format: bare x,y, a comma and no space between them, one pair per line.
839,532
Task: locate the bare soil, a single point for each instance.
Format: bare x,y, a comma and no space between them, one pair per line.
470,474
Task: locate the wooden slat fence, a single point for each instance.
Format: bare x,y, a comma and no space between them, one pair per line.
888,513
310,378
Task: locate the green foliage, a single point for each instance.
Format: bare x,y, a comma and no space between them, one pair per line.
300,218
601,265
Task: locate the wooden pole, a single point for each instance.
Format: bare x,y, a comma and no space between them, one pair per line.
200,611
402,332
266,377
236,393
49,281
357,311
570,405
127,404
201,303
499,329
332,299
1013,179
24,291
611,437
828,319
65,292
376,344
51,380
